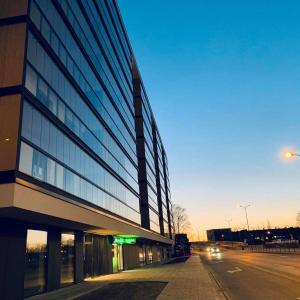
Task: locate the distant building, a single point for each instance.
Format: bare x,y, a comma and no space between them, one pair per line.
223,234
254,236
266,235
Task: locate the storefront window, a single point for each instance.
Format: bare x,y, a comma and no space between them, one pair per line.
158,254
35,262
67,259
142,256
150,255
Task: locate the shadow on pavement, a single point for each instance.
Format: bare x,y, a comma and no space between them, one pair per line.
178,260
141,290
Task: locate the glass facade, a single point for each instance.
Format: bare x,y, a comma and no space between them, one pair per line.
78,131
150,162
35,262
52,157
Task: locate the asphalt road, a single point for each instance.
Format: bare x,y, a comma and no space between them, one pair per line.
255,276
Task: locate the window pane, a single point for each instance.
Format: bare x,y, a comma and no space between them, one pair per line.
59,176
52,102
45,29
42,92
35,15
54,42
39,169
61,111
26,159
36,128
31,80
67,259
45,135
51,172
27,121
35,262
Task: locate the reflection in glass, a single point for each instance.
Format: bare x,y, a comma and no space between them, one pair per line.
142,256
67,259
117,259
150,255
35,163
35,262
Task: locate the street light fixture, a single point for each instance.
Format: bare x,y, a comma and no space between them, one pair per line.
245,208
290,154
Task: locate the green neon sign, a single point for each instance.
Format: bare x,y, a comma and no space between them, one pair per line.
124,240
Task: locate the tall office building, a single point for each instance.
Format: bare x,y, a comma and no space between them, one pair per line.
84,185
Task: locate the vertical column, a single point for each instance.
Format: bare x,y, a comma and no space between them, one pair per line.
54,259
167,195
107,256
78,257
12,260
159,202
140,146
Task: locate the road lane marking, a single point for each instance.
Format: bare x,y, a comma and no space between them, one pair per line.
284,266
217,262
236,269
286,276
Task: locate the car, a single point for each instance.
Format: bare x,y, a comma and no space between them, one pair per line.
213,249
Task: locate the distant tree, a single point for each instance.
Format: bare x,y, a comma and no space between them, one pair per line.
298,218
180,219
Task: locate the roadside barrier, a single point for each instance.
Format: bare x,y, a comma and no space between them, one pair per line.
283,249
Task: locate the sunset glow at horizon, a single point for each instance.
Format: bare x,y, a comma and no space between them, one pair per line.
224,87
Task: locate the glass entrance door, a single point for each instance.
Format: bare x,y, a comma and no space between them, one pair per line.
120,257
117,258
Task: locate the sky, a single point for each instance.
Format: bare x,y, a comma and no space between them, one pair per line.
223,79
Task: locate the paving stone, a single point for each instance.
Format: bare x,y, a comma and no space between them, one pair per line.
186,280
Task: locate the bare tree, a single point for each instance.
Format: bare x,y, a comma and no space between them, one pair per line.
298,218
180,219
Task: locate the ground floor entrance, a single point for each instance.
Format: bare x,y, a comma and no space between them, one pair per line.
97,255
117,259
36,258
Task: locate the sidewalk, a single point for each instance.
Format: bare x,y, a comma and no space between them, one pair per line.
189,280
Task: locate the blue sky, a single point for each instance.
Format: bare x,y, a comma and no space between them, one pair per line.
223,78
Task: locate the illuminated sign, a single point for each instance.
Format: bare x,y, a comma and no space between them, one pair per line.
120,240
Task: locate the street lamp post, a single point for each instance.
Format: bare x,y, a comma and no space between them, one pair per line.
228,221
245,208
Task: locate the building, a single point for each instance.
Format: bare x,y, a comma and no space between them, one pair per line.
265,236
84,184
221,234
257,236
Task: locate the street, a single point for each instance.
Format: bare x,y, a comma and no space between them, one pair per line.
242,275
